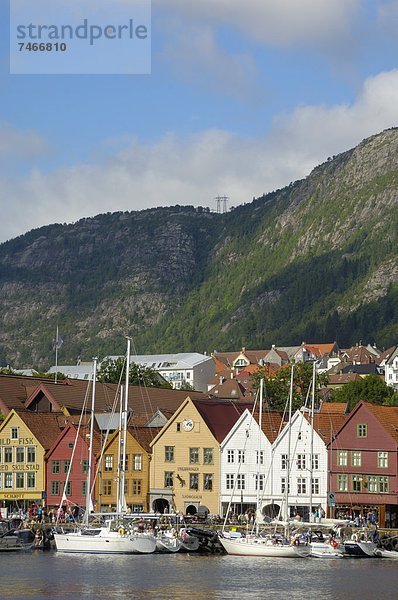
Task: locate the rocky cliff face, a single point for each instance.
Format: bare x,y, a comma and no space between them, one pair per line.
315,260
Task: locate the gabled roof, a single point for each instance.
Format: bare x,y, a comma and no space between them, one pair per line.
327,424
84,433
220,416
387,416
320,350
70,394
228,389
343,378
333,408
45,427
361,354
393,352
144,436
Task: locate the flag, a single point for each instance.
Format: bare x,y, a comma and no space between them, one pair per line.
58,341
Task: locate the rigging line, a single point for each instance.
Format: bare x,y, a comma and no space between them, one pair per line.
63,495
238,471
105,440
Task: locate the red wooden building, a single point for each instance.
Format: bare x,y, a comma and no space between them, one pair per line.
364,463
58,459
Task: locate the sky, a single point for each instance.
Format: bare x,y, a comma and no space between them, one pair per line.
242,99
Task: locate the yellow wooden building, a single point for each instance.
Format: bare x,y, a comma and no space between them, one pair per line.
24,440
185,465
136,490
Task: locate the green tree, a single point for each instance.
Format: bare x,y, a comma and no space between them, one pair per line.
113,371
371,388
277,385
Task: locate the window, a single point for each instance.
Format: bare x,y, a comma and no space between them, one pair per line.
315,486
107,487
20,480
230,456
7,455
8,480
371,483
193,481
126,462
68,488
383,485
1,454
65,466
31,454
84,488
299,436
208,482
301,485
137,462
356,483
259,479
1,481
136,489
342,483
283,485
138,508
284,462
14,433
168,479
362,430
300,462
55,467
108,462
240,481
230,481
356,458
31,480
193,456
84,466
259,457
169,453
178,426
55,488
20,454
207,456
315,462
382,460
241,456
342,458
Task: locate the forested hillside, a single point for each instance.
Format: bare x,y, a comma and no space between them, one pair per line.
315,261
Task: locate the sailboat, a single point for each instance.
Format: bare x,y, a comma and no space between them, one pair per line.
271,546
119,535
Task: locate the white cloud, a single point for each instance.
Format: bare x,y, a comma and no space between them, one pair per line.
20,144
197,58
279,22
192,170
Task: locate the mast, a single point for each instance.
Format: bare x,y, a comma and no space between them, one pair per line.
260,418
289,443
121,506
312,435
90,451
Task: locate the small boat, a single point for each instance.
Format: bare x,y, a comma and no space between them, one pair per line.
168,542
326,550
360,548
189,543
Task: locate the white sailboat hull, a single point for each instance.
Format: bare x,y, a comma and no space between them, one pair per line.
262,547
105,543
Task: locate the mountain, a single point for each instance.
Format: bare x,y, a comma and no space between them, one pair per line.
315,261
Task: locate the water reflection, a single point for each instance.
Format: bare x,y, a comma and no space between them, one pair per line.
190,577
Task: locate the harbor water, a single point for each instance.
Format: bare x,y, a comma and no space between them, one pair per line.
39,576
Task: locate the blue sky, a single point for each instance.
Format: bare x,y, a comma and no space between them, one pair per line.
243,98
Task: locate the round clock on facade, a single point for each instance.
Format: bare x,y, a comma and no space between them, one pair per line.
187,424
